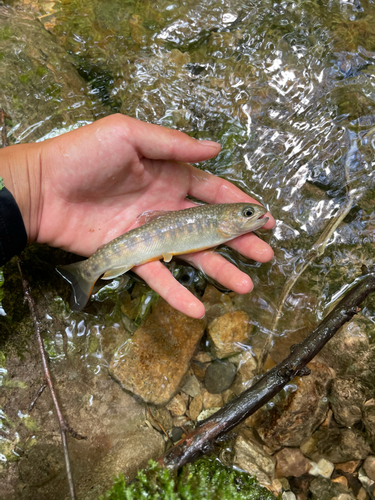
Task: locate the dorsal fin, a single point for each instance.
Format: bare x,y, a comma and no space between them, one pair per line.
149,215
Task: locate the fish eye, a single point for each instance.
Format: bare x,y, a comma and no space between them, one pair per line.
248,212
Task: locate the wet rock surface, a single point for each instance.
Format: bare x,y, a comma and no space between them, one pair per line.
291,462
297,412
250,456
153,363
346,401
324,489
228,332
219,376
338,445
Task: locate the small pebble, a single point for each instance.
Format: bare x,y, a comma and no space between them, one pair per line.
176,434
191,386
219,376
369,467
288,495
322,468
362,495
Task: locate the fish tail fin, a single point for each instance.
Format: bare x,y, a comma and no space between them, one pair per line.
82,287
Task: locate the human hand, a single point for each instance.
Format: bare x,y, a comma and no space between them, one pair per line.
89,186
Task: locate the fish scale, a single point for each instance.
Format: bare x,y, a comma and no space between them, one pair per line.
164,234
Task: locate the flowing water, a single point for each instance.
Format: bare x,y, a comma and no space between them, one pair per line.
286,87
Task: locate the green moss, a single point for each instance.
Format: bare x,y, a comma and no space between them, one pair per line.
41,71
5,33
24,78
207,478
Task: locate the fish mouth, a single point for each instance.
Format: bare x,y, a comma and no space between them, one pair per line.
260,222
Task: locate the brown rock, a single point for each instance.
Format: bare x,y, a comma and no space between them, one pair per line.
336,445
191,385
347,401
341,480
245,373
293,418
348,352
251,457
228,332
160,419
203,357
153,363
177,405
348,467
199,369
369,417
291,462
211,400
362,495
324,489
195,407
216,302
369,467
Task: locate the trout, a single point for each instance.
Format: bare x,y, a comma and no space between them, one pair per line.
163,235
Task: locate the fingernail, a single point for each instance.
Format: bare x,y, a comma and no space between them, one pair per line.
211,144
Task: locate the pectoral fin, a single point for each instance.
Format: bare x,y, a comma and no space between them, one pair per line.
150,215
114,272
222,233
167,257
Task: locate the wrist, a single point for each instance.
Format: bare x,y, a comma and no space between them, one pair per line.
20,168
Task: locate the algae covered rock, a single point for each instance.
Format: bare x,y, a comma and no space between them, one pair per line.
207,478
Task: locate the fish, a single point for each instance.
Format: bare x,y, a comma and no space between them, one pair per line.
162,235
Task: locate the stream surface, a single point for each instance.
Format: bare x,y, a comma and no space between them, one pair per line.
288,90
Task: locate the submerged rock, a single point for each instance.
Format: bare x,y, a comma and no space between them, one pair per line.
291,462
228,332
347,402
296,414
153,362
250,456
324,489
337,445
219,376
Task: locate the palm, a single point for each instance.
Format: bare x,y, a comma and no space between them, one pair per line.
98,180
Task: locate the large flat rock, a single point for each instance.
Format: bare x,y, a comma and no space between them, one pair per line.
152,363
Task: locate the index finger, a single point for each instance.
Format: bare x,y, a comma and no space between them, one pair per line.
213,189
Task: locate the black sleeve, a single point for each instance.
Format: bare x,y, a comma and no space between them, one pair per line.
13,237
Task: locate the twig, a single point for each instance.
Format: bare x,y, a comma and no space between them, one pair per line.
271,383
64,428
38,394
4,139
316,251
159,424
